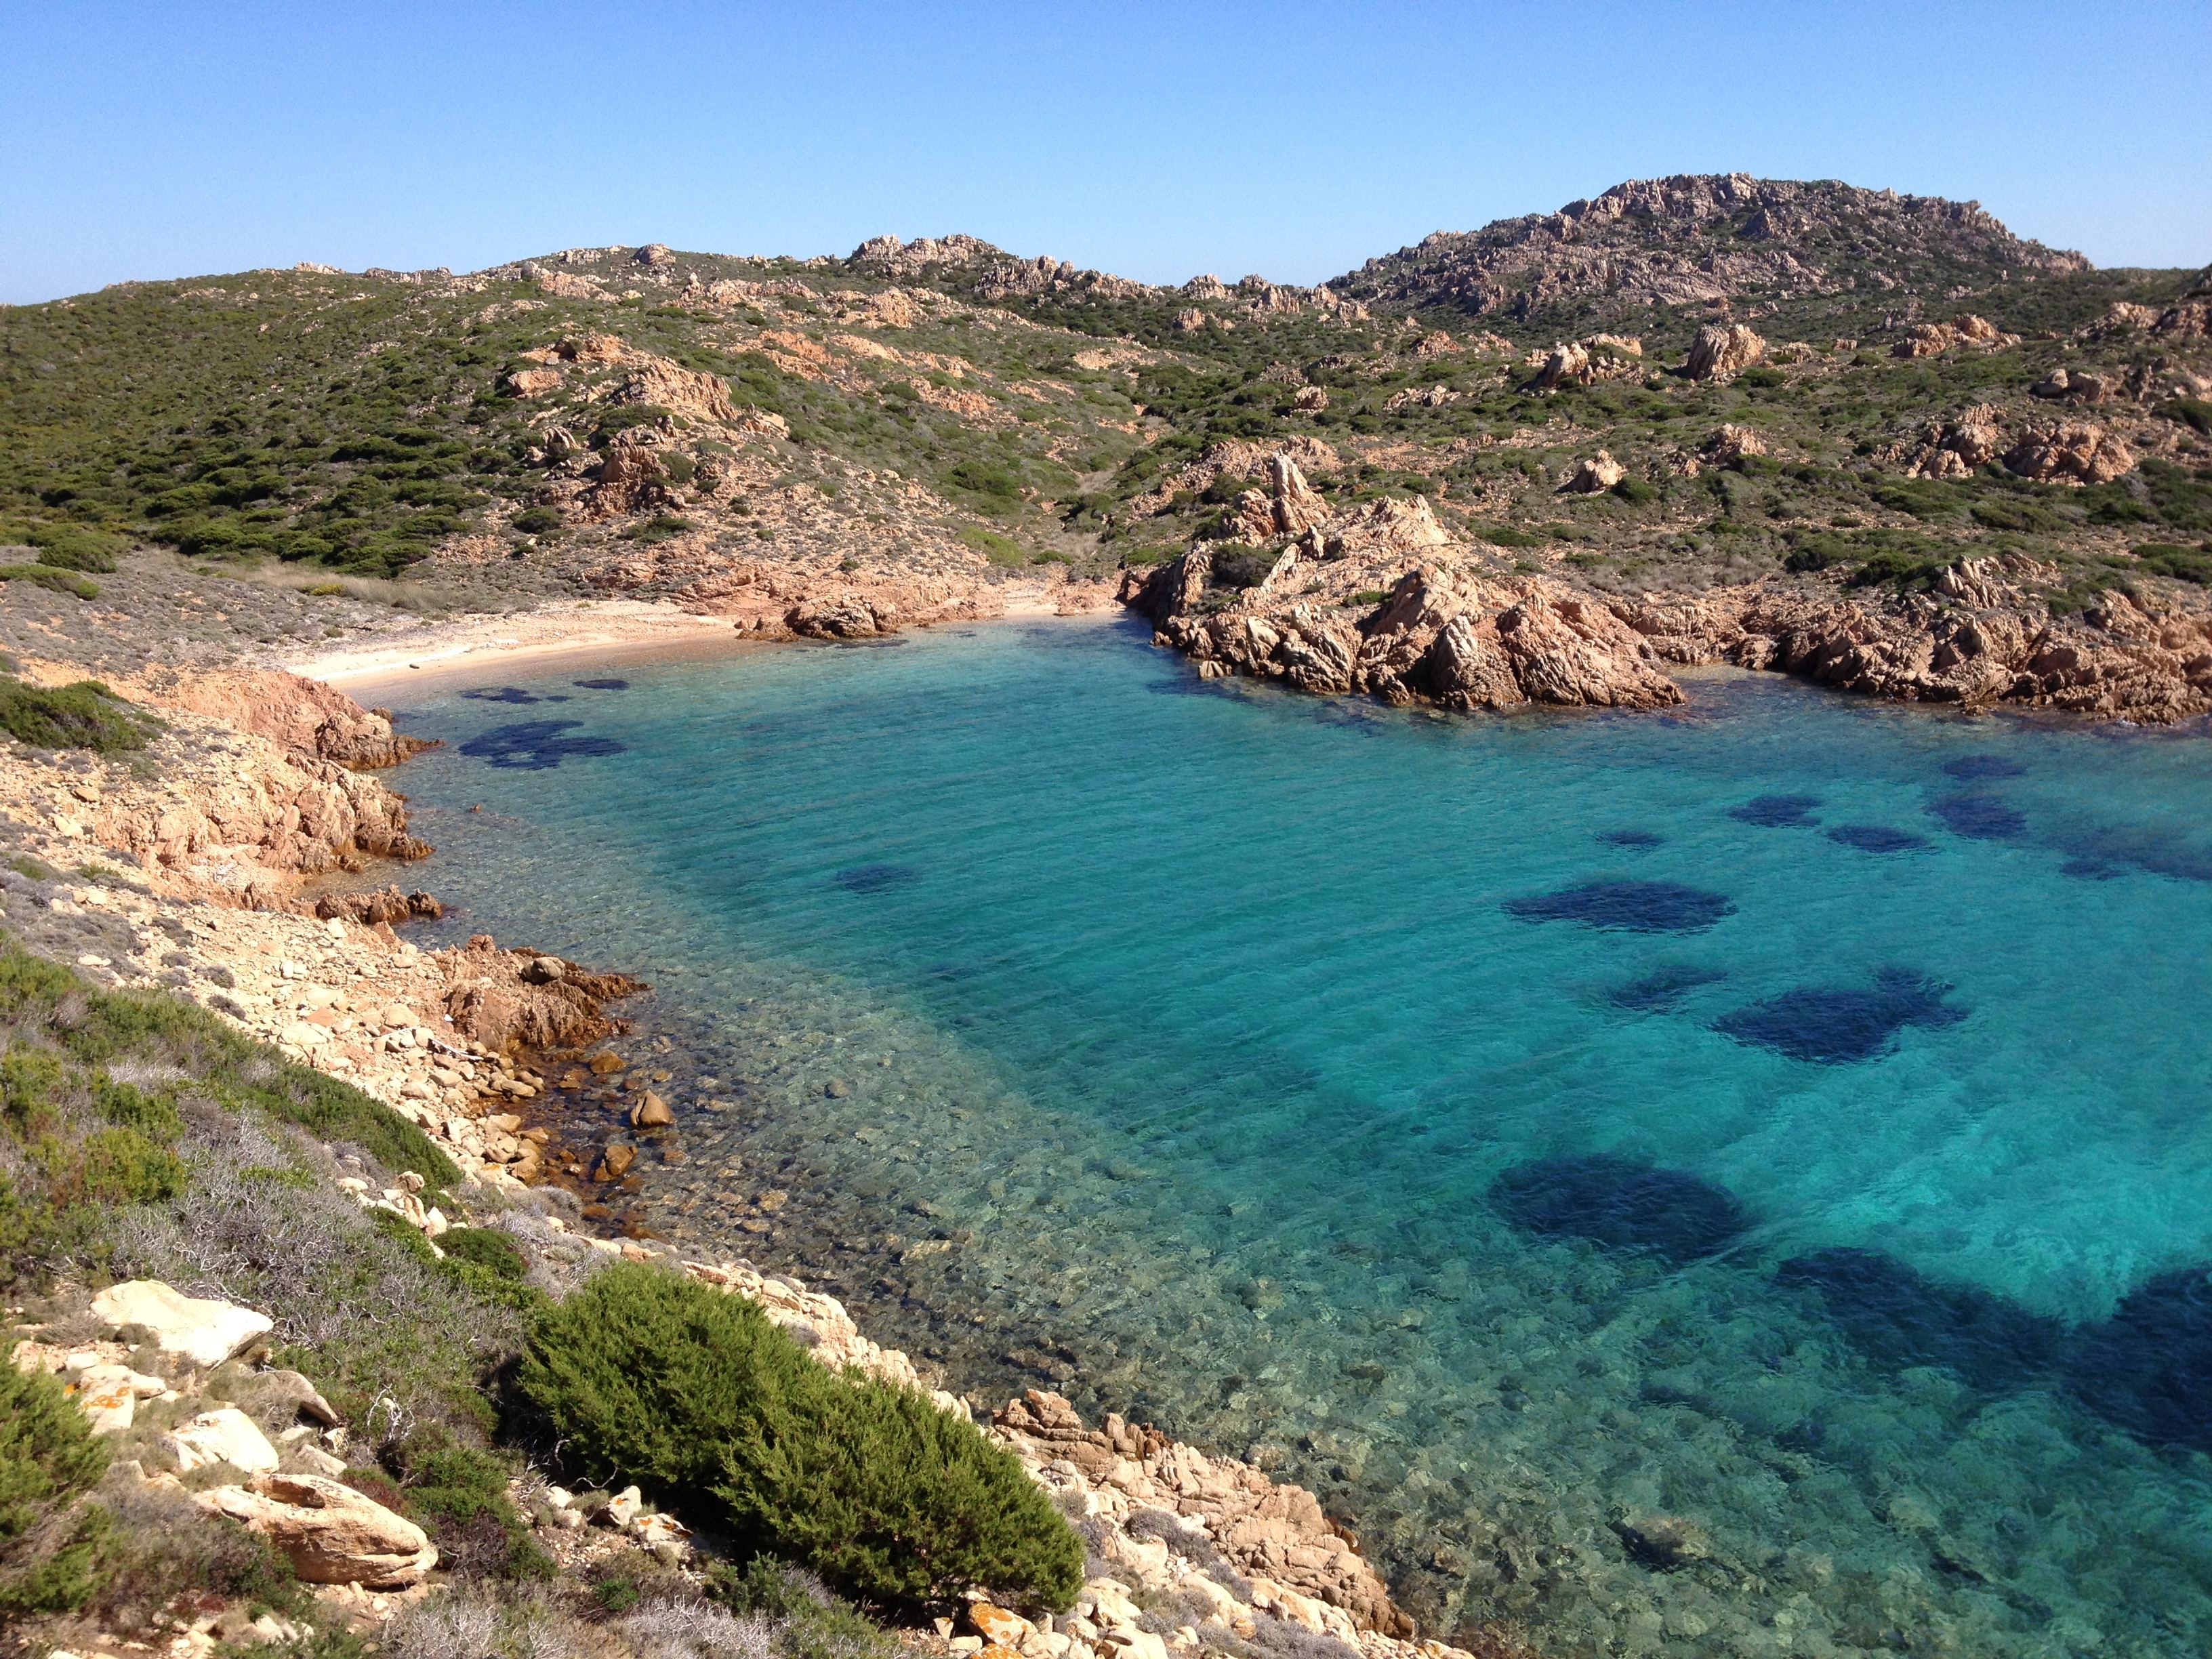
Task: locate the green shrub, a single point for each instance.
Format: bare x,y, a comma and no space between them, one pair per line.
120,1166
1238,565
43,575
876,1488
2188,564
815,1625
48,1459
1502,535
1898,569
67,546
230,1066
487,1247
1762,378
2195,412
85,716
999,487
458,1495
2016,515
538,521
1638,492
700,1399
661,528
1002,550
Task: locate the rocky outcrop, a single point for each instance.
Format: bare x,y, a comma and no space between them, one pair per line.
1274,1535
1594,475
1933,339
1949,449
330,1533
629,478
1385,528
2070,452
192,1331
300,715
507,1000
1723,352
1983,639
228,817
775,602
385,907
690,393
1731,443
1652,241
1479,646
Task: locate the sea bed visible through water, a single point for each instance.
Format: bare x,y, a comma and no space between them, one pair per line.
1731,1181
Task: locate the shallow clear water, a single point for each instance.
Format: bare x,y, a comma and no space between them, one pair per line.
1294,1072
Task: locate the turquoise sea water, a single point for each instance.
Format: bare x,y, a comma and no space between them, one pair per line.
1719,1182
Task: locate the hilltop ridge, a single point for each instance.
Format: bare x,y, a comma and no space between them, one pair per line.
1836,393
1698,239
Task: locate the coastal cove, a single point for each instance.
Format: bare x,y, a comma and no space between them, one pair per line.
1668,1179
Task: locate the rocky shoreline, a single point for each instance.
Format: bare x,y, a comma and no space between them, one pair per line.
1382,600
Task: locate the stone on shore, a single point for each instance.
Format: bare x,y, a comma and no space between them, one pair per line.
330,1533
200,1332
226,1435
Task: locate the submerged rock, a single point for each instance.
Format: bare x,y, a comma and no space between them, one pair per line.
1835,1025
1663,987
1897,1315
1636,907
1620,1205
1777,811
1979,818
2149,1368
1876,838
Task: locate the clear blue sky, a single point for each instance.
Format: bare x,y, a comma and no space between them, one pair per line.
1154,140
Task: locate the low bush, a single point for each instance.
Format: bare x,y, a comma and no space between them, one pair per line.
458,1493
2016,515
46,575
85,716
808,1622
1236,564
700,1399
1003,551
661,528
2188,564
1502,535
48,1460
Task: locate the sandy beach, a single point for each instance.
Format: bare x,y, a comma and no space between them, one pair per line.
579,627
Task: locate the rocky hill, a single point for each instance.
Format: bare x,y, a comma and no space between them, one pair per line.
1829,395
1711,239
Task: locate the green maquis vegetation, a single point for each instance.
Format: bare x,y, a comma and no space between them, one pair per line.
708,1405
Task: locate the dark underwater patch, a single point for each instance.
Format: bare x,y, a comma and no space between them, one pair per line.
501,694
2149,1368
605,685
536,745
1898,1316
1837,1025
1984,766
1663,987
1631,838
1190,686
1978,818
1634,907
2159,854
876,877
1777,811
2089,870
1621,1205
1877,838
